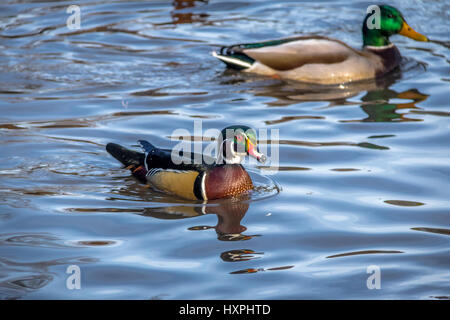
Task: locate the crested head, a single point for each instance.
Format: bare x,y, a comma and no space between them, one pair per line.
384,21
236,142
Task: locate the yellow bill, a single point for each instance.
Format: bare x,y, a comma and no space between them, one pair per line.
409,32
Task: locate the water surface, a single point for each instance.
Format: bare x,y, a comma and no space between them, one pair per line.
363,176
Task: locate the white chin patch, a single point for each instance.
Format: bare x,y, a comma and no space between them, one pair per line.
235,160
236,157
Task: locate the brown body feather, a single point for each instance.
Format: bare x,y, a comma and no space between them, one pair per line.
321,60
226,180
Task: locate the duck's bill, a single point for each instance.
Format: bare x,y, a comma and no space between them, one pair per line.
409,32
253,152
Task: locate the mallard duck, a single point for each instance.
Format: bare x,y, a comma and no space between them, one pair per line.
197,177
321,60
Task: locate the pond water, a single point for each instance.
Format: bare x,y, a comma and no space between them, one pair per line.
363,176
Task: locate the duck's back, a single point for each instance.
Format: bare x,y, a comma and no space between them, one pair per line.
315,60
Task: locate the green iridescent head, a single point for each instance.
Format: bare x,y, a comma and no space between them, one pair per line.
238,141
383,21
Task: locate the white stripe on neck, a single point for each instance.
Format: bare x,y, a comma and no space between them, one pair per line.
379,47
203,187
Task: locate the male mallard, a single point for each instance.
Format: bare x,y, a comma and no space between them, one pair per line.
322,60
196,177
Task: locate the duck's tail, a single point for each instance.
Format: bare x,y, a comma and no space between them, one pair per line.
132,160
146,146
234,60
234,56
124,155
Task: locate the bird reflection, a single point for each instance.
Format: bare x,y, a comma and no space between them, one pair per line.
187,17
239,255
291,92
378,108
376,103
229,214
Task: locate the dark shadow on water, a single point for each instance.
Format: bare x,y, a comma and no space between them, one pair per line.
355,253
433,230
255,270
404,203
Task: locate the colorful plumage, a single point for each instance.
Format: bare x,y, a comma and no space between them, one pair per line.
184,176
321,60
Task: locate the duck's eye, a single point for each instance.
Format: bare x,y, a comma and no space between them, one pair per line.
390,16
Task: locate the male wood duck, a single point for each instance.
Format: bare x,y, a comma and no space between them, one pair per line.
321,60
184,177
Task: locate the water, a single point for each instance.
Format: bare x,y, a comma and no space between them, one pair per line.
363,178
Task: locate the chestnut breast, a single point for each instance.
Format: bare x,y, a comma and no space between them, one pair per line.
226,180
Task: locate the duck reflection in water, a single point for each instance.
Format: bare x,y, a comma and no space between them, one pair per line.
377,105
187,17
375,102
229,211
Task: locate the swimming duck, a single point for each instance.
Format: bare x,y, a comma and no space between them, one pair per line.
197,177
321,60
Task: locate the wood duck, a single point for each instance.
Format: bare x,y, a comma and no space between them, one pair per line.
184,177
321,60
